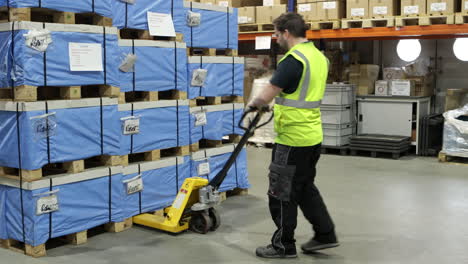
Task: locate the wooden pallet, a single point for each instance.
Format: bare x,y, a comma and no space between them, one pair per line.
49,15
251,28
154,155
330,24
368,22
341,150
211,52
29,93
141,96
215,100
461,18
424,20
73,239
70,167
453,159
375,153
128,33
206,143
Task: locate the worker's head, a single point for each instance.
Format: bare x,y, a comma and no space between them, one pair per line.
288,28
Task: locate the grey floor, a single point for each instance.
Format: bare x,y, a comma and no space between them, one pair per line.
413,210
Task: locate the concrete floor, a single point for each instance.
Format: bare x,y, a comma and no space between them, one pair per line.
413,210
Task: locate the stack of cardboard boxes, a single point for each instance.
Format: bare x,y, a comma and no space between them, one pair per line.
360,9
316,10
364,77
260,11
397,82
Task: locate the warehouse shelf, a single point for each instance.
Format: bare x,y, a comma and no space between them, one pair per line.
379,33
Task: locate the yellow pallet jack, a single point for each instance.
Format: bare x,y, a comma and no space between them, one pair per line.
194,205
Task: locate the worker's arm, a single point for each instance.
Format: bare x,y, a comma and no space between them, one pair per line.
265,97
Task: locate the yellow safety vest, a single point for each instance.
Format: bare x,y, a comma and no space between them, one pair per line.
297,115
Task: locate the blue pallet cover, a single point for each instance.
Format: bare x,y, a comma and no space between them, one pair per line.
3,231
160,186
159,128
158,67
126,15
101,7
231,120
82,205
218,28
225,76
27,65
77,135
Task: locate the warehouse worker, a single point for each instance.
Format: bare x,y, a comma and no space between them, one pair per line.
298,85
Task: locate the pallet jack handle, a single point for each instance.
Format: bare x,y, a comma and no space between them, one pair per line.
249,131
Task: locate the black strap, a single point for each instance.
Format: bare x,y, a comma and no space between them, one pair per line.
45,62
139,193
12,82
177,120
203,127
177,174
20,166
207,160
47,131
50,214
228,27
172,9
92,6
126,15
131,136
102,125
237,180
233,72
110,194
191,28
133,72
105,54
40,3
233,119
201,66
175,63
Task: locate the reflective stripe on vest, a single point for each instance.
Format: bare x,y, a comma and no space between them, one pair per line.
301,103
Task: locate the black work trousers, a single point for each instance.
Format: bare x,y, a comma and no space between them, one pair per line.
292,175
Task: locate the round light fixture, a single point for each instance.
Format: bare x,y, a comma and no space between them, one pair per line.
409,49
460,50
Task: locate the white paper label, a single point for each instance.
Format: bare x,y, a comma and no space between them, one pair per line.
466,5
224,3
135,186
128,1
401,88
131,126
357,12
380,10
242,20
128,63
438,7
262,42
47,205
44,126
193,19
199,77
268,3
329,5
38,39
411,10
304,7
85,56
203,169
200,118
179,201
160,24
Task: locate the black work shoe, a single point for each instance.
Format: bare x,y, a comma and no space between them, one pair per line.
314,245
270,252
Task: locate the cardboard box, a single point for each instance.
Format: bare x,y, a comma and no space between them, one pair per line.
357,8
382,8
393,73
422,86
381,88
364,77
247,15
413,7
274,2
443,7
402,87
266,14
330,10
308,11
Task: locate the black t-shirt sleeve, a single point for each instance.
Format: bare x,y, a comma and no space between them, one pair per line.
288,75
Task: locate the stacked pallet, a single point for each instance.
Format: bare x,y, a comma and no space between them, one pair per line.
378,144
258,15
98,123
322,14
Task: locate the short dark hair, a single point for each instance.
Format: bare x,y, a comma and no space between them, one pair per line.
293,22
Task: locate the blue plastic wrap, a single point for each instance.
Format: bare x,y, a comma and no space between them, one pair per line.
160,185
3,231
101,7
159,128
218,27
225,76
134,15
237,176
76,136
27,67
82,205
157,68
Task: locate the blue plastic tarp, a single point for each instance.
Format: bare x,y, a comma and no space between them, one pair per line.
77,134
157,68
3,231
217,29
160,127
27,66
101,7
225,76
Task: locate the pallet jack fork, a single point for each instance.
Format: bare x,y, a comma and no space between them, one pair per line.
194,205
